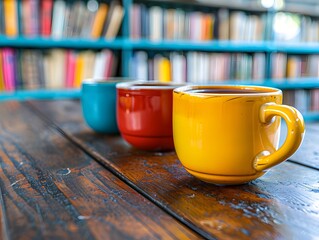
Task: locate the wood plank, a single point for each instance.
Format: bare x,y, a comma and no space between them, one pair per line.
308,153
51,189
283,204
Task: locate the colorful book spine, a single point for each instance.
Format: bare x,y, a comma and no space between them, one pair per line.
2,85
46,17
8,68
79,66
99,21
70,69
11,17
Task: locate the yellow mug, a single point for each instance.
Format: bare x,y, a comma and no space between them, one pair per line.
230,134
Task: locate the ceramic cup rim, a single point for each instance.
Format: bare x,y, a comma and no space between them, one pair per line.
265,91
148,85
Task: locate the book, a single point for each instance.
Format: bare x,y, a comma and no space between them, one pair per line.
109,58
80,19
68,18
34,20
30,18
314,100
164,70
178,69
57,69
11,17
58,16
89,61
70,68
79,68
8,66
141,65
46,17
99,20
156,23
26,17
99,66
114,20
2,84
223,24
135,21
2,26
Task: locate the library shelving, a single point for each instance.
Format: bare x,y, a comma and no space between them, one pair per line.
286,64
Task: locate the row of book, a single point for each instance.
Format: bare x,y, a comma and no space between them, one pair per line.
198,67
157,23
202,67
304,100
294,66
54,68
61,18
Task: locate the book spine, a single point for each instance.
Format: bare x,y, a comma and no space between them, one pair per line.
2,83
11,17
46,17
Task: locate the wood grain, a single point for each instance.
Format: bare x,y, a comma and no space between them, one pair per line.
283,204
308,153
50,189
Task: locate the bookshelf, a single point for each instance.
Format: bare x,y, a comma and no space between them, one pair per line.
125,46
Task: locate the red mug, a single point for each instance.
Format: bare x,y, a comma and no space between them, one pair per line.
144,114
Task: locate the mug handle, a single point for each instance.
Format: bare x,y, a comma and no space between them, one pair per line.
295,134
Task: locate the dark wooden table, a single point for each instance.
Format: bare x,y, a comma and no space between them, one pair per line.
60,180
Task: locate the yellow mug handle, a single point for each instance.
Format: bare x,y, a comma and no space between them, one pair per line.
295,134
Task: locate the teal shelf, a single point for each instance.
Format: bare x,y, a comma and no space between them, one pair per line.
185,45
175,45
21,95
39,42
294,48
311,116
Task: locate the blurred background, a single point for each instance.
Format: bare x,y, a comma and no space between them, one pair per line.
48,47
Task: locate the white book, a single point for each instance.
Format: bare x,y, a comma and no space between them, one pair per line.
301,100
99,67
191,67
178,67
219,67
156,23
58,18
204,68
259,64
196,26
157,60
179,24
89,59
237,26
141,65
57,69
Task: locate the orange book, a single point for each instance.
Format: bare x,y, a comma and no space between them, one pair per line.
11,17
78,74
99,21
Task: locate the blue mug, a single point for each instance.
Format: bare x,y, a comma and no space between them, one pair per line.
98,100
